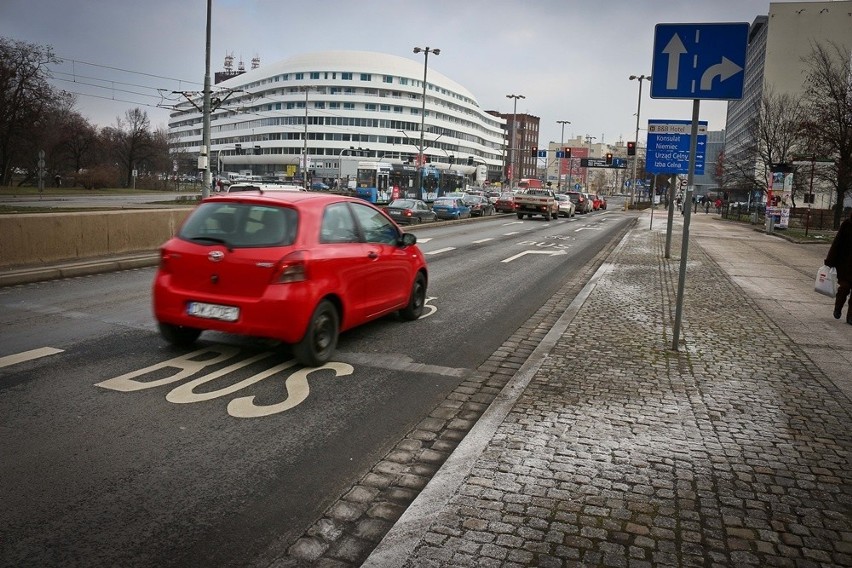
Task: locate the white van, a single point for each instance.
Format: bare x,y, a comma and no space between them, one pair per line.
249,186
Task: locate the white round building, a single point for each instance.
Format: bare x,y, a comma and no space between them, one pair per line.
338,108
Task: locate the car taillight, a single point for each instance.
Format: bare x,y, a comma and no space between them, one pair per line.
292,268
408,213
165,257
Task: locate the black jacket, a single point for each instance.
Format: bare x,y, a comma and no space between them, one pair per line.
840,253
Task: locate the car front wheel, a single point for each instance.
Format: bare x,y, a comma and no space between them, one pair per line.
416,301
320,341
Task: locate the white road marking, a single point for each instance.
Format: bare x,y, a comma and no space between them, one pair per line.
513,223
550,252
28,356
483,241
439,251
587,229
510,234
426,240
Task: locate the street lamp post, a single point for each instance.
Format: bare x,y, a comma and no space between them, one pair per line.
561,149
586,170
512,136
420,160
639,78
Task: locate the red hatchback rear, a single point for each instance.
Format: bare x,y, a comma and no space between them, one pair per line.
296,267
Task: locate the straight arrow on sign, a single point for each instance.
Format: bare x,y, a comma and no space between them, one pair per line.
674,50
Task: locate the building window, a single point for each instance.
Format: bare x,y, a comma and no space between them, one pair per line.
333,105
385,108
366,77
346,76
315,75
403,81
388,79
319,104
349,106
299,76
370,107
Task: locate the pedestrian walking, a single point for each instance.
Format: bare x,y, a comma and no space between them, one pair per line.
840,258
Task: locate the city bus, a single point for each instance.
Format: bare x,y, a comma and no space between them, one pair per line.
402,177
373,183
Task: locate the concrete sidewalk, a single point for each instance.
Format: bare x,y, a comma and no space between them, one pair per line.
608,448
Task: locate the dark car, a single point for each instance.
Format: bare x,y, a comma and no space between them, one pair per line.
505,203
450,208
581,203
319,186
297,267
480,206
409,211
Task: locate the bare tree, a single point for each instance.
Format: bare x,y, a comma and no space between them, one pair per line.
772,138
25,98
130,141
828,128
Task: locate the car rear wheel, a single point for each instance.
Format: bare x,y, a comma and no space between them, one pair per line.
320,341
416,301
178,335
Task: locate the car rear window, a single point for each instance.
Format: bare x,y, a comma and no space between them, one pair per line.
241,225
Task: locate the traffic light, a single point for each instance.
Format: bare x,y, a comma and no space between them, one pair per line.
631,148
452,160
534,152
470,160
609,158
567,152
239,149
257,150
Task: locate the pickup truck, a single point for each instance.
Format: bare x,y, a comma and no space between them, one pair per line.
537,202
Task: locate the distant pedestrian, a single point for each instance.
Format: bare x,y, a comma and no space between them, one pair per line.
840,257
706,205
718,205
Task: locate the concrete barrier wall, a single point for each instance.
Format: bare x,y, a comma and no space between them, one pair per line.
33,238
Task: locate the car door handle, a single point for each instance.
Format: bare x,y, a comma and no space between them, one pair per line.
373,255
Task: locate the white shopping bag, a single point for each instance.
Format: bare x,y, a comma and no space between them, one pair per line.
826,281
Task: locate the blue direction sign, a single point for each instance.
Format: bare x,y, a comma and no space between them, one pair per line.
699,61
668,147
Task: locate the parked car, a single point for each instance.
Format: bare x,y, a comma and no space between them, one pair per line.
505,203
298,267
480,206
450,208
409,211
566,206
319,186
581,203
602,204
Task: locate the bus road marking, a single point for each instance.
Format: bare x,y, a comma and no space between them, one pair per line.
28,356
439,251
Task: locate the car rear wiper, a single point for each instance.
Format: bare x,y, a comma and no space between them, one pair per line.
213,240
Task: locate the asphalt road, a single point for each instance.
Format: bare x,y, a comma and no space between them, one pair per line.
120,450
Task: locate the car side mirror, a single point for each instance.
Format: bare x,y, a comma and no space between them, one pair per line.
407,240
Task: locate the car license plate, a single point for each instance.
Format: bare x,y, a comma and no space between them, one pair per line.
213,311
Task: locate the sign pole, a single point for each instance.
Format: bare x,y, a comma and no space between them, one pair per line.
687,214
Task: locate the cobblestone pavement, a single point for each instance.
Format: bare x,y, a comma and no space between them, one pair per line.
732,451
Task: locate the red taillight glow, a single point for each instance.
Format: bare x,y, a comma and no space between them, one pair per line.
292,268
408,213
165,257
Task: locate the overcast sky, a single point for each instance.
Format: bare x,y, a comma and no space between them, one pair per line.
570,59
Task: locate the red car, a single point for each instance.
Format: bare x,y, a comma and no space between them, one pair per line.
297,267
505,203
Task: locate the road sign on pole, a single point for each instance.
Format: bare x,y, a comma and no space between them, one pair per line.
668,147
699,61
